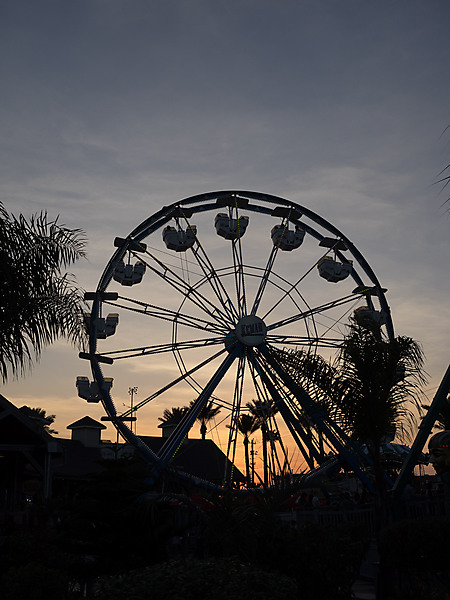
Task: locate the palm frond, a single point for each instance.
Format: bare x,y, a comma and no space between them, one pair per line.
39,302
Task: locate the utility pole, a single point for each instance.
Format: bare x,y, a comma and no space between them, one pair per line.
132,391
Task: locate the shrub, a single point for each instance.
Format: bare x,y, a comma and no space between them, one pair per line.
221,579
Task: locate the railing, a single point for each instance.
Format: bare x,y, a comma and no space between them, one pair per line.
329,516
417,510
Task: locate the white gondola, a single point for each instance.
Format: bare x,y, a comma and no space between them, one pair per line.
368,317
178,239
228,228
333,270
285,238
105,326
129,274
89,390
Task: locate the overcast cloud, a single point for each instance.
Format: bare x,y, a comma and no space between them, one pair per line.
112,108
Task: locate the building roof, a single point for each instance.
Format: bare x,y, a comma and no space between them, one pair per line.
86,423
16,428
197,457
71,459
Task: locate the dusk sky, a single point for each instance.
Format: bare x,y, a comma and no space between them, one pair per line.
111,109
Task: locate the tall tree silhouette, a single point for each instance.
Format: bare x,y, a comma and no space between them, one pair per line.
247,424
262,413
208,412
372,388
39,303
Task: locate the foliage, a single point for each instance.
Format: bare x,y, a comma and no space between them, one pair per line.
208,412
173,415
246,424
33,581
261,411
443,419
105,514
33,567
316,376
378,382
416,555
371,387
323,560
221,579
41,417
113,526
420,545
39,303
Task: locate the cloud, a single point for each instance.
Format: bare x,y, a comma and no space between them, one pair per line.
111,110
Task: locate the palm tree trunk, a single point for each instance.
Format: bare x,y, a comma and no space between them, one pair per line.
247,461
265,461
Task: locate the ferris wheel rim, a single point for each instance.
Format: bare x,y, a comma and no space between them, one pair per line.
199,203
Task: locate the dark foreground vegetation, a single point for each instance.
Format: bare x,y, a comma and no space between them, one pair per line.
112,539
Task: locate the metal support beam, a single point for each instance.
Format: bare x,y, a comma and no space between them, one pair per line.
422,435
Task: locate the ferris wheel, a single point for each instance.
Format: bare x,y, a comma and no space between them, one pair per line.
198,301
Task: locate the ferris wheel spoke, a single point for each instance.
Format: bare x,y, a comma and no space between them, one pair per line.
264,279
293,287
312,311
187,290
174,382
305,341
239,279
210,273
278,395
171,446
271,434
338,441
162,348
234,418
215,283
165,314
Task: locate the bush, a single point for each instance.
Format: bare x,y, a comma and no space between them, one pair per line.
419,545
416,559
221,579
34,582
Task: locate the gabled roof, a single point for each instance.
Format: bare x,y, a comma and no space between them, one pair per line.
86,423
197,457
18,429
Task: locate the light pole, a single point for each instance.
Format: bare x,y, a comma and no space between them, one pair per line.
132,391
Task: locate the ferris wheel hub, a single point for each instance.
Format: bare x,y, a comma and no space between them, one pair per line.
251,330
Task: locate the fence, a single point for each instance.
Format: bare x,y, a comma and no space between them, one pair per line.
418,509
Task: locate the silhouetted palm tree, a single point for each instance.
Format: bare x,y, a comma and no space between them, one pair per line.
246,425
208,412
173,415
40,416
443,418
38,302
379,384
372,387
262,412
